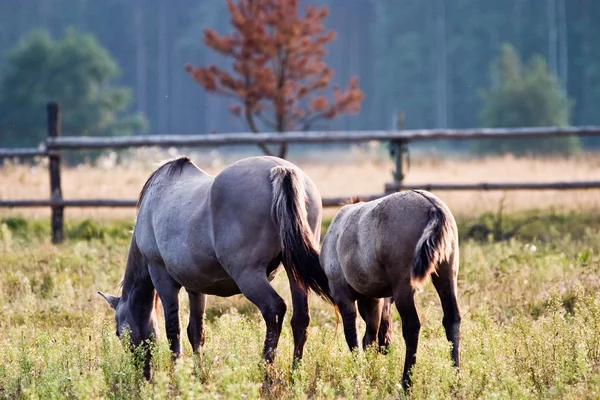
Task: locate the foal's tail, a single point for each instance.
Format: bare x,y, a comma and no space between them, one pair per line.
437,243
300,252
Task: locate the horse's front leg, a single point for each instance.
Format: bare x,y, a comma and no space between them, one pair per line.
300,319
195,329
347,309
370,311
168,291
346,304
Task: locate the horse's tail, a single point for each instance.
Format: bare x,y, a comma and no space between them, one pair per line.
300,252
437,242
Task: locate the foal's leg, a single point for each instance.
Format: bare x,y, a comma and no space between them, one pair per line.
253,284
411,326
445,284
384,335
370,311
195,329
347,307
300,318
168,291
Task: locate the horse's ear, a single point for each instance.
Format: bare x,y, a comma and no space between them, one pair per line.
112,300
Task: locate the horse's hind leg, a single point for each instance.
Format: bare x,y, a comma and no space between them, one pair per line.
411,326
253,284
384,335
195,329
445,284
300,319
370,311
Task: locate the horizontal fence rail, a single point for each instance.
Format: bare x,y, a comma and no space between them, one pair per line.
127,203
24,152
247,138
394,187
400,138
68,203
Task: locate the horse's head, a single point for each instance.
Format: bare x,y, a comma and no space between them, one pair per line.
140,321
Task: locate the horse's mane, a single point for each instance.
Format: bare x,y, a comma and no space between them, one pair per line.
134,269
171,167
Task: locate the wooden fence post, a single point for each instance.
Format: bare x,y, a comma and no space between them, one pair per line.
54,169
400,152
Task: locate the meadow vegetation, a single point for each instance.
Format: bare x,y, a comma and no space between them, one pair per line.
531,326
528,291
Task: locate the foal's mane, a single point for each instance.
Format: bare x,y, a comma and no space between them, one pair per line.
352,200
171,167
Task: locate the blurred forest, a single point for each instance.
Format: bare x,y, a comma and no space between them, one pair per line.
430,59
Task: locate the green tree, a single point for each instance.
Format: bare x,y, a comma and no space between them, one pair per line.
524,96
76,72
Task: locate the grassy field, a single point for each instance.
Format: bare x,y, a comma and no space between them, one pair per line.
530,304
528,292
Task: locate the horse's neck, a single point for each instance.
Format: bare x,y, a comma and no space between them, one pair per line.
137,285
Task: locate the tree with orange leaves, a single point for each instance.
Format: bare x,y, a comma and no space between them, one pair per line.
278,69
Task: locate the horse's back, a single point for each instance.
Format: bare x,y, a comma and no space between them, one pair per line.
169,201
373,243
241,208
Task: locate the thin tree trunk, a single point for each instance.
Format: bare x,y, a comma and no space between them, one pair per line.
44,10
586,46
552,37
382,107
517,14
163,68
140,57
563,44
176,105
357,29
367,65
212,102
442,73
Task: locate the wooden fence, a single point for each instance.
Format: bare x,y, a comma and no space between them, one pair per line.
400,139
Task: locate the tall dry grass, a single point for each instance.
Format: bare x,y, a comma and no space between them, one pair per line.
363,170
530,330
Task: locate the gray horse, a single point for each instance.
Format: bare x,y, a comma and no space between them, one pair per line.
387,248
222,235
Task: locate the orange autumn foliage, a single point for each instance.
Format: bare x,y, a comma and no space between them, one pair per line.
278,69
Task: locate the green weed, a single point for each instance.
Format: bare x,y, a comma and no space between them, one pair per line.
530,305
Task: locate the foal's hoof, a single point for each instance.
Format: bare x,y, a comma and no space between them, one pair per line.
147,375
404,388
296,363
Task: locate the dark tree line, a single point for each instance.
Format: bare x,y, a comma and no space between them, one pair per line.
430,59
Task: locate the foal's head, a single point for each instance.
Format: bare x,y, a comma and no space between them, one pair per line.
140,321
